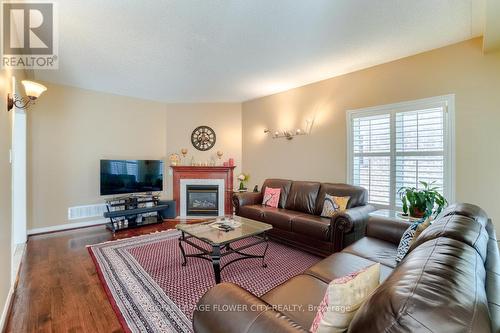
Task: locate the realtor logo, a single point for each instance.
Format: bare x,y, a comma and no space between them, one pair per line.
29,35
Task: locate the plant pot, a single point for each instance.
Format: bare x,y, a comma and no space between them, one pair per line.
417,213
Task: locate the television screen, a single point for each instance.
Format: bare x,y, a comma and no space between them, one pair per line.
131,176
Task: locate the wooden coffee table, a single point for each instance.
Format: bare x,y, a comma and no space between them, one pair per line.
220,242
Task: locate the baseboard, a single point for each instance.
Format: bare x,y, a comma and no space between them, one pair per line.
67,226
10,296
6,309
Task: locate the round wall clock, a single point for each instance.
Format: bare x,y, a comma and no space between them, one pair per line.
203,138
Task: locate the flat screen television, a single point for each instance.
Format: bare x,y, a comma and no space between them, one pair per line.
131,176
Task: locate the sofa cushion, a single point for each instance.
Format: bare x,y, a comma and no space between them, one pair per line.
343,298
254,212
291,300
333,205
316,227
461,228
302,197
358,195
279,218
341,264
271,197
410,236
283,184
469,210
438,287
375,250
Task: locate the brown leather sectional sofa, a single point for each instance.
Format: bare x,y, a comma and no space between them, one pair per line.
297,219
448,282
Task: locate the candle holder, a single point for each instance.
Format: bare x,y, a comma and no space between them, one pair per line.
184,152
219,154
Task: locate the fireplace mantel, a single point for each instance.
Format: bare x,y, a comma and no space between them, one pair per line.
204,172
206,169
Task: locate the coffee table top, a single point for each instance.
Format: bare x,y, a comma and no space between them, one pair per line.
205,232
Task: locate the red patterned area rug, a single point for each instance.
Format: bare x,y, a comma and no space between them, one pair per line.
151,291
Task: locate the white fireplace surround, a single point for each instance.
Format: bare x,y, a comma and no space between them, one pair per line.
183,195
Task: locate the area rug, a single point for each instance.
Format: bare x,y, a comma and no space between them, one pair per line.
151,291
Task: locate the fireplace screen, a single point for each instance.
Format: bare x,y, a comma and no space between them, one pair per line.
202,200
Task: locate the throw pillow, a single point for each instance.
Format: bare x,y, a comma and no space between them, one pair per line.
333,204
343,298
409,236
271,197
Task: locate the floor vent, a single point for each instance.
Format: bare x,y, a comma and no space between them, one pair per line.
83,212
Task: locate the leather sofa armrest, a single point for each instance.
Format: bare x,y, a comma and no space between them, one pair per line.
349,226
246,198
385,228
231,309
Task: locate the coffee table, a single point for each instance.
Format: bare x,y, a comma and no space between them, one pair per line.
221,242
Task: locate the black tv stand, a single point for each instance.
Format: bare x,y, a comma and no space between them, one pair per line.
131,211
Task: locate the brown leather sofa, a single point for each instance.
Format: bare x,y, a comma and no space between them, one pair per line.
448,282
297,219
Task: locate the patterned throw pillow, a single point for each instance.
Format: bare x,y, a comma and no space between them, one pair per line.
409,236
343,298
271,197
333,204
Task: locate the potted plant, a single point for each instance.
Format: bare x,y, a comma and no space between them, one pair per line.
243,178
422,203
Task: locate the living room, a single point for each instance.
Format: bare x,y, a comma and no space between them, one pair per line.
288,153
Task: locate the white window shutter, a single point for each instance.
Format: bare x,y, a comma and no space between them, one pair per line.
401,145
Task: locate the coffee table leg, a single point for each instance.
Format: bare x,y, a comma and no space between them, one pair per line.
215,256
181,238
265,251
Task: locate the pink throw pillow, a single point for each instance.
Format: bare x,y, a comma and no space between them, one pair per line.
271,197
343,297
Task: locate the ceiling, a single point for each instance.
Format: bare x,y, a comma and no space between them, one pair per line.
236,50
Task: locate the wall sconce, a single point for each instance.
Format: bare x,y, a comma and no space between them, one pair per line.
290,134
33,91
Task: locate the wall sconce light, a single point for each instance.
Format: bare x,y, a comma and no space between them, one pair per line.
33,91
290,134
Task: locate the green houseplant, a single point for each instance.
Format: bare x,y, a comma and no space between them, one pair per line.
422,202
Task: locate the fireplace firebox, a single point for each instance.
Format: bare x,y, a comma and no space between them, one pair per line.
202,200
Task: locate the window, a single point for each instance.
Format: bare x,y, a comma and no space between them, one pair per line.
402,144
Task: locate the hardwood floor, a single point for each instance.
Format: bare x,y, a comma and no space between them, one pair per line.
58,288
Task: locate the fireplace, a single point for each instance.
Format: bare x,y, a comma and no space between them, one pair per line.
199,196
202,200
220,176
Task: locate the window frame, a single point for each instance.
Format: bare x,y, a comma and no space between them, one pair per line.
447,102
